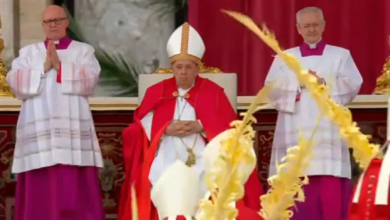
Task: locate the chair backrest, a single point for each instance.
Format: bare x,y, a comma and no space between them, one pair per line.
228,81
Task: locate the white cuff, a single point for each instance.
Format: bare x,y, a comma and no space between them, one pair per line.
202,133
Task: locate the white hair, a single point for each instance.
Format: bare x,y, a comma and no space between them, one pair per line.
309,10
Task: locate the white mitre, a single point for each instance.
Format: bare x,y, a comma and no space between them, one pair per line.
185,44
177,192
214,149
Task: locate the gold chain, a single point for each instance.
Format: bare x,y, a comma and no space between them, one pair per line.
191,159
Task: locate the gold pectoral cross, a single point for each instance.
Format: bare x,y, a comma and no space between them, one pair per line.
191,159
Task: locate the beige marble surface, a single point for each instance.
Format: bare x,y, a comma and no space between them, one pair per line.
7,32
30,20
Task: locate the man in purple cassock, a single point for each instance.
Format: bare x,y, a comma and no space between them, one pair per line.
329,191
57,154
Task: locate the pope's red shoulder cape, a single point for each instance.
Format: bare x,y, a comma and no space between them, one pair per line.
366,209
212,108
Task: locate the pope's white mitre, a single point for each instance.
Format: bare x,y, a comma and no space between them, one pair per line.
214,149
177,192
185,43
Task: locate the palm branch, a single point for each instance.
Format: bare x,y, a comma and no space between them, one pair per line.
116,71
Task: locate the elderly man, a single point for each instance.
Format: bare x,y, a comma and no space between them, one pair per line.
174,121
57,154
330,168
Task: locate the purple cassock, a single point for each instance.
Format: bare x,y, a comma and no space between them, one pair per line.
60,192
327,197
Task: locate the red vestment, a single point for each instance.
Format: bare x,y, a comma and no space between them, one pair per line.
246,213
215,113
365,208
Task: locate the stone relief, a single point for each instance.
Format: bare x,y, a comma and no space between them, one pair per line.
129,27
132,28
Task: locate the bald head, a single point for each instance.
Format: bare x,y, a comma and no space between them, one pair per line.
55,22
53,11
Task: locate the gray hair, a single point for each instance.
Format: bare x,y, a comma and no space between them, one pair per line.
309,10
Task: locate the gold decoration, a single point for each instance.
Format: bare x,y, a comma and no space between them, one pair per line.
383,81
163,70
210,70
202,69
5,91
191,159
134,207
363,151
186,96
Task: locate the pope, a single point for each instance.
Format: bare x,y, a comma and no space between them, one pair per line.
176,119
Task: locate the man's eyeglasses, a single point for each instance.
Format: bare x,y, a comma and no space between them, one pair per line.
56,21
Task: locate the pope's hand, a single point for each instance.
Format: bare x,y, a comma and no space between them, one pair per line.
175,129
192,127
183,128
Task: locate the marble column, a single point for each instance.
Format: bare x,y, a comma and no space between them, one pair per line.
7,30
30,20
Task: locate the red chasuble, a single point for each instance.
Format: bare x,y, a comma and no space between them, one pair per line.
366,209
214,111
245,213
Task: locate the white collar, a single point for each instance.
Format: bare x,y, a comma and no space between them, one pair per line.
313,45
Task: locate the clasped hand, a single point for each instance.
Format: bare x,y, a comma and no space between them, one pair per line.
320,80
52,59
183,128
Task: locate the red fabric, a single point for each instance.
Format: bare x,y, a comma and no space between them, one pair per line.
253,191
246,213
298,98
233,48
366,209
59,74
212,109
180,217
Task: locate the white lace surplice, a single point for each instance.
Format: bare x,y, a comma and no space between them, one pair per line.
331,154
55,124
